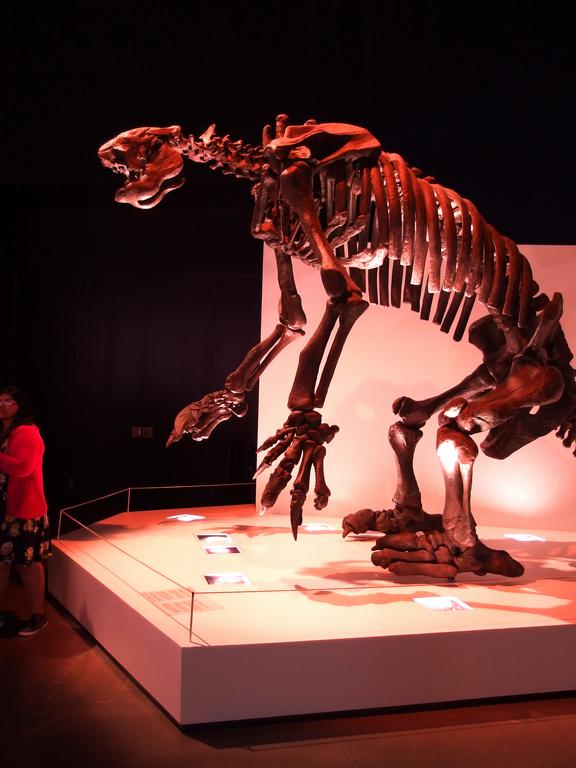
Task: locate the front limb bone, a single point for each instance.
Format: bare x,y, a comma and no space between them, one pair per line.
345,305
304,432
296,188
201,417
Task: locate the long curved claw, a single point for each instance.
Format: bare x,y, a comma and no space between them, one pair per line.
282,438
200,418
301,439
298,499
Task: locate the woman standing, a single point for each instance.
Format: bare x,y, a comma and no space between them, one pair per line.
24,531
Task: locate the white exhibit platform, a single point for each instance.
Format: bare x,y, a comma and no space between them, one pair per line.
315,627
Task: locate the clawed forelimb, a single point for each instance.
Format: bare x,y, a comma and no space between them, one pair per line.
301,439
200,418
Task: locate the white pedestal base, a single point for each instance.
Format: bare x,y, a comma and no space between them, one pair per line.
317,628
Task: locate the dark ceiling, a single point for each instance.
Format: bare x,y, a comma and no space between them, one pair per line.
482,102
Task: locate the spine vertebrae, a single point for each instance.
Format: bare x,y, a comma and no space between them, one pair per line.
233,157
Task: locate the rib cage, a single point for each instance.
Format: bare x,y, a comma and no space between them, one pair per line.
398,233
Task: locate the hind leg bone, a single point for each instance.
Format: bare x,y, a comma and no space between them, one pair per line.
403,436
529,384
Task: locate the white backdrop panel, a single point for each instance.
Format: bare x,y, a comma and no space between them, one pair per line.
391,352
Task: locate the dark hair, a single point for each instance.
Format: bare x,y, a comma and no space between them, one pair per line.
25,413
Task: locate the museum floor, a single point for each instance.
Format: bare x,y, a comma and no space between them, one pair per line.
64,700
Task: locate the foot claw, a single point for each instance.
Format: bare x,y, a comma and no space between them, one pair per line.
262,467
434,554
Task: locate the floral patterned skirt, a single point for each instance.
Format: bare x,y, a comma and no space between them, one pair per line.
23,542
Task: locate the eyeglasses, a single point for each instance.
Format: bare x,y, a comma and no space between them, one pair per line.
7,403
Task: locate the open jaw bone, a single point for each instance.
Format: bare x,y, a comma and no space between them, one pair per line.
151,166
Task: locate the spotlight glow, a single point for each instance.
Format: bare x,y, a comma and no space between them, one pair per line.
443,603
185,518
313,527
447,454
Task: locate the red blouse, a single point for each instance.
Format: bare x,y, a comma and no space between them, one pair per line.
22,462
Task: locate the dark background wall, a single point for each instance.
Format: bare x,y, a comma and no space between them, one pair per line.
105,341
113,317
